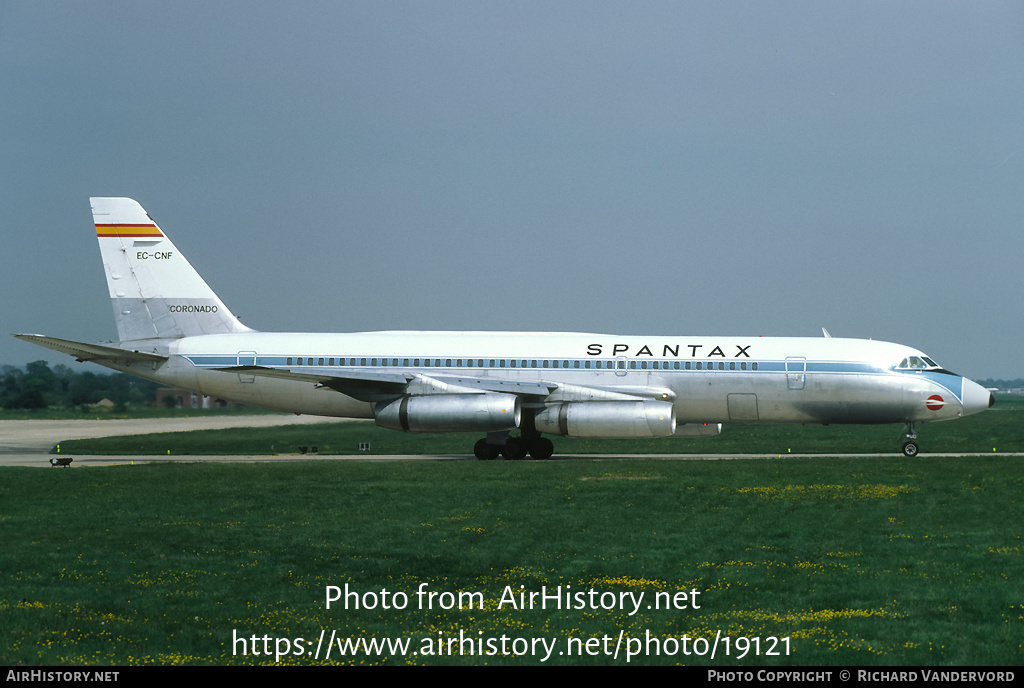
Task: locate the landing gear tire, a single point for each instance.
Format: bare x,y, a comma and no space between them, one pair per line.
541,448
486,452
514,449
910,448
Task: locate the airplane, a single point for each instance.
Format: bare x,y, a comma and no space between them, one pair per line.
174,330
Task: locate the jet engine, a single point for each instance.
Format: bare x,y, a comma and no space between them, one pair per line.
450,413
698,430
608,419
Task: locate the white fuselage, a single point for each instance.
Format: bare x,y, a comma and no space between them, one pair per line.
707,379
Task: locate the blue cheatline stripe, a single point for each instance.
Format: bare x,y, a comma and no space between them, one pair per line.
537,364
943,380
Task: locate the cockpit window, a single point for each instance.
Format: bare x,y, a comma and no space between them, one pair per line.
922,363
918,363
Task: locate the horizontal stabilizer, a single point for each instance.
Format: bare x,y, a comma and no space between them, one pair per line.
90,352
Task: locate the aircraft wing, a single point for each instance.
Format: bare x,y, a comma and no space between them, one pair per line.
91,352
373,386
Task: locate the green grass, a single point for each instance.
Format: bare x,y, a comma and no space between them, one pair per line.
868,561
998,429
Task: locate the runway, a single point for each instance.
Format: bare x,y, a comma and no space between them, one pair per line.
28,443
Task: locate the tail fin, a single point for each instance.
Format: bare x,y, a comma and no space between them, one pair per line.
154,290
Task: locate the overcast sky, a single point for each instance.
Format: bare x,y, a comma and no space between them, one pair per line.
730,168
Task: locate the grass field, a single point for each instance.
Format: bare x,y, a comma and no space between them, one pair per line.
869,561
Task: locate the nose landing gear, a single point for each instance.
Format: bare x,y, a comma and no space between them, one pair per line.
910,447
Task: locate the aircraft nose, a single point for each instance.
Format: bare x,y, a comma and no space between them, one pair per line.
976,398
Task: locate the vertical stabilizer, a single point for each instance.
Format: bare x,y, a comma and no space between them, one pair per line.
154,290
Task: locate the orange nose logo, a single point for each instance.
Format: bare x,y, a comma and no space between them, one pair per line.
935,402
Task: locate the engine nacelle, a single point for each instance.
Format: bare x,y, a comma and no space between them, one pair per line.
450,413
608,419
698,430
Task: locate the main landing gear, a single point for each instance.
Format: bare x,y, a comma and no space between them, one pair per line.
910,447
513,448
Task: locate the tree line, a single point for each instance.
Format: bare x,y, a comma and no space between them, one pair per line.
1001,384
39,386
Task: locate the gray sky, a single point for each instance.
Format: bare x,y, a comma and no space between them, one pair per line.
731,168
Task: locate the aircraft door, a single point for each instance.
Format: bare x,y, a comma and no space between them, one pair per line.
796,372
742,407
